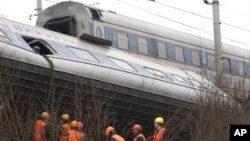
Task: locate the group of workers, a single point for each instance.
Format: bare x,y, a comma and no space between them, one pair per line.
69,131
73,131
159,133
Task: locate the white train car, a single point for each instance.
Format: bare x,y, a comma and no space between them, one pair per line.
49,64
141,88
151,42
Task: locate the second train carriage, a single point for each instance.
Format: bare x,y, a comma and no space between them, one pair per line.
149,41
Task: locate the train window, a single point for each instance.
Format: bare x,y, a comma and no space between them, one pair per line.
152,47
171,51
2,33
143,45
122,40
65,25
162,51
247,69
39,46
95,13
110,34
133,45
3,37
99,32
122,64
233,66
196,58
179,78
240,68
204,59
211,62
226,65
156,72
195,83
187,56
179,54
83,54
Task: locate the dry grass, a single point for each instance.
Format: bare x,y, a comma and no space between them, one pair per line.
213,116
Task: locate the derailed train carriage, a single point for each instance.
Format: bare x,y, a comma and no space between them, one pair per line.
135,87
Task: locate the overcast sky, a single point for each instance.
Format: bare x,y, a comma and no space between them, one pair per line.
235,15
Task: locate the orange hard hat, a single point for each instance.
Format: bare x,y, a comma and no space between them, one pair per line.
80,124
45,115
137,127
108,130
73,124
65,117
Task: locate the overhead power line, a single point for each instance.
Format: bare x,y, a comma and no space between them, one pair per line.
192,27
207,18
159,15
52,1
185,11
227,7
236,11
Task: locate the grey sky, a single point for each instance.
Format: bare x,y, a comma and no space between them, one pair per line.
160,13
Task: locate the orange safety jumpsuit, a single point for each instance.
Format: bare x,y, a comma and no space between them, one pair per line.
74,135
65,132
118,138
158,135
39,133
140,136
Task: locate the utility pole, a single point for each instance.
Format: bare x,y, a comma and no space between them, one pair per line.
217,41
39,7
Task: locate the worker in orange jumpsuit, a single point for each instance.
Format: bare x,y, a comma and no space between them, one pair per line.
83,136
137,131
74,134
40,127
65,128
160,131
111,134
